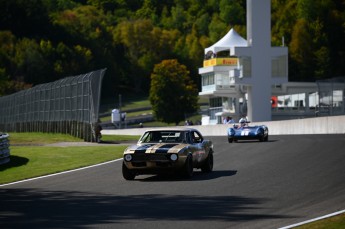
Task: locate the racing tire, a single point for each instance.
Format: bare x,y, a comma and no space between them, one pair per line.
230,140
127,173
208,166
266,138
188,167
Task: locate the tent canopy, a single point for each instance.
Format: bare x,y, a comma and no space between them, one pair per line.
231,39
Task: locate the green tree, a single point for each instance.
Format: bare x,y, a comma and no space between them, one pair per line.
284,17
217,28
172,94
232,12
144,45
301,50
10,80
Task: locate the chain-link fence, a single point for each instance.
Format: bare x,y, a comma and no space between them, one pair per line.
331,96
69,105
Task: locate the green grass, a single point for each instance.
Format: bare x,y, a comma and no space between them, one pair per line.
335,222
139,113
128,103
28,159
144,102
33,161
35,138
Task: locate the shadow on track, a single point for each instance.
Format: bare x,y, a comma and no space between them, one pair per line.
33,208
197,176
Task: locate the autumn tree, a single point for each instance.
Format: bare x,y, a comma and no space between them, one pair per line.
144,45
172,94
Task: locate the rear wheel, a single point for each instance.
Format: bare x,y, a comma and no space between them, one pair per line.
266,138
127,173
208,166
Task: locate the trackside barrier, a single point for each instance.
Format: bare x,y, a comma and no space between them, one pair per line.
69,105
319,125
4,148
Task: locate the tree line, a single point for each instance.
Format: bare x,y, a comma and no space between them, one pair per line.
43,40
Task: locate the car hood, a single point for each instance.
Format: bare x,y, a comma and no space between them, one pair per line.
156,148
250,128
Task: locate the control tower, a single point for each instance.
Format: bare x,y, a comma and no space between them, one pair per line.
261,66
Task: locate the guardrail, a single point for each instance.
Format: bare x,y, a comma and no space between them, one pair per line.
4,148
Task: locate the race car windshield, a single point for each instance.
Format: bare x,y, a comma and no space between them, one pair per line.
162,136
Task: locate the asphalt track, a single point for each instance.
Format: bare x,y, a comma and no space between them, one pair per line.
287,180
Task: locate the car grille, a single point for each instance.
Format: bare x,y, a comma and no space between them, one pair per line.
150,157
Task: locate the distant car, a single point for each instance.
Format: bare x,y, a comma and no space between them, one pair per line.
245,132
177,150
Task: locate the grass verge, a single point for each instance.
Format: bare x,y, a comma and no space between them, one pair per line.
30,158
34,161
335,222
37,138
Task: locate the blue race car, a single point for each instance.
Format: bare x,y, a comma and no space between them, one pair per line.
245,132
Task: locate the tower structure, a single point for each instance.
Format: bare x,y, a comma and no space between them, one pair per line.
261,66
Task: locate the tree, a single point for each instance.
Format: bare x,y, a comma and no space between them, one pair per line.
301,51
172,94
144,45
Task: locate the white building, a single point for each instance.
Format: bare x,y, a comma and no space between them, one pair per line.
250,78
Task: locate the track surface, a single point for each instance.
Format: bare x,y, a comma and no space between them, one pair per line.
272,184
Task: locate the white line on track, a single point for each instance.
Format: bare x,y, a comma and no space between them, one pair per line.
55,174
313,220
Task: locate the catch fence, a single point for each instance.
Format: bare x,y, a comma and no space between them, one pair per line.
69,105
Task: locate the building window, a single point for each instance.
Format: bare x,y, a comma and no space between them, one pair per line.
207,79
246,66
222,78
279,66
216,102
292,101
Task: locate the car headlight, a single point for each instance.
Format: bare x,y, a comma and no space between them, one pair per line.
128,157
173,157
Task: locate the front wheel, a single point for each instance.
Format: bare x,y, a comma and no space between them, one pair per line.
230,140
188,167
262,138
208,165
127,173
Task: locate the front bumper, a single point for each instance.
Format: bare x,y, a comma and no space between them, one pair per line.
154,162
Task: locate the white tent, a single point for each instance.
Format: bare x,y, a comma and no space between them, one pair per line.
231,39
